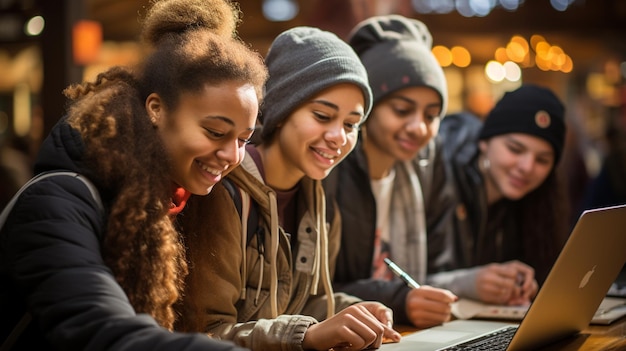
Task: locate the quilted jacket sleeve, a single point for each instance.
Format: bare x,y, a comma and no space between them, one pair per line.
50,257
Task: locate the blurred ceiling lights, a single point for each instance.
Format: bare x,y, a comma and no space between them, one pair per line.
19,20
34,26
280,10
478,8
509,60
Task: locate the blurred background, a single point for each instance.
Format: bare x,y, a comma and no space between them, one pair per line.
487,47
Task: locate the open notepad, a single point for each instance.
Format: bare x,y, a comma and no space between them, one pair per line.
610,310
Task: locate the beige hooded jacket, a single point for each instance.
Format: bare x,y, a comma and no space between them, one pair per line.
267,298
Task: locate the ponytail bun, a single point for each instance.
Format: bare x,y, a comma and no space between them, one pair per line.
168,17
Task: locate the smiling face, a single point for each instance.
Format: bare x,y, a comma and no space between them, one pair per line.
315,137
402,124
518,164
206,134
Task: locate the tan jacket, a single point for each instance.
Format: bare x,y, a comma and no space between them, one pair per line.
229,296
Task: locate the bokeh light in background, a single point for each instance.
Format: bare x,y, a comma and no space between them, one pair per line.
460,56
508,61
86,41
486,47
477,8
22,109
443,55
561,5
280,10
34,26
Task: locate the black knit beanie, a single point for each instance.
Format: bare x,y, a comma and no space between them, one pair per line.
303,61
530,109
396,51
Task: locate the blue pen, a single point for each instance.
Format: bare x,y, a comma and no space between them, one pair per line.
401,274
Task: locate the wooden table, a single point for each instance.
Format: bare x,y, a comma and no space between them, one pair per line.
595,338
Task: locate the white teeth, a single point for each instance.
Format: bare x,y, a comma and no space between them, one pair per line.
214,172
325,155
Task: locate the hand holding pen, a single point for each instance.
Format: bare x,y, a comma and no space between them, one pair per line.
425,306
401,274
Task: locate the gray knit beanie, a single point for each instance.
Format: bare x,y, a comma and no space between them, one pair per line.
303,61
396,51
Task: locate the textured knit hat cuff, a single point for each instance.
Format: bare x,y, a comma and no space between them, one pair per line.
293,90
388,75
526,123
530,109
396,51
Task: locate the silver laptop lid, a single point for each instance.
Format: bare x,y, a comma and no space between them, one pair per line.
582,274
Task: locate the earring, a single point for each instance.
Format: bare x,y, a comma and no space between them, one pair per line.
486,163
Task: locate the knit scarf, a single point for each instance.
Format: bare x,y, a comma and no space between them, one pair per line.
408,223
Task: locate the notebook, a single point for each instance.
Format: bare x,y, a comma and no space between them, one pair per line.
610,310
588,264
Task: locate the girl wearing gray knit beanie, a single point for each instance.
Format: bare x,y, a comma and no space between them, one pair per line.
276,249
378,188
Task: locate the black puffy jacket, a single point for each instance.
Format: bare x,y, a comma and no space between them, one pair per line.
51,266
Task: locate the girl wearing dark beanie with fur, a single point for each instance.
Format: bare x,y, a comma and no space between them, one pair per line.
378,187
265,283
511,219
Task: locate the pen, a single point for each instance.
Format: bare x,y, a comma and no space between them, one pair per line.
401,274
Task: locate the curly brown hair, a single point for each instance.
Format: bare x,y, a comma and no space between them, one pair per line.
194,45
127,156
166,16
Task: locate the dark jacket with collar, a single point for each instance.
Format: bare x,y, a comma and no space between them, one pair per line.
51,265
348,188
479,228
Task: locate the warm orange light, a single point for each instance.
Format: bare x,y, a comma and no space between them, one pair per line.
460,56
515,52
535,40
443,55
568,66
500,55
86,41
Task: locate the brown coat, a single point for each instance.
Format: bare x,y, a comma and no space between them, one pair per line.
231,301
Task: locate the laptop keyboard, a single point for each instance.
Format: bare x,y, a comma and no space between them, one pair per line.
498,340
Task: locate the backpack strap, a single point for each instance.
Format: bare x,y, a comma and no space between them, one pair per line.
7,344
92,189
248,213
250,217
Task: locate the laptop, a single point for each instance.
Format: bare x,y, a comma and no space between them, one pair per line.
588,264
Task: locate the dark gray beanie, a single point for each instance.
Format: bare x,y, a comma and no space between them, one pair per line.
303,61
529,109
396,51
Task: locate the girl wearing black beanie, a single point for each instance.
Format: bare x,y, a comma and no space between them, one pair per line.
511,217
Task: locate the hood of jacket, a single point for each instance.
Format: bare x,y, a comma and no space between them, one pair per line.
249,179
459,135
63,148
